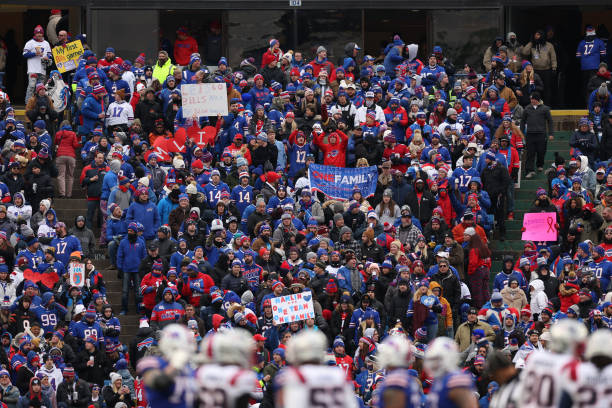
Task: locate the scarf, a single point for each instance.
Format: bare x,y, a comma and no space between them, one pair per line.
306,206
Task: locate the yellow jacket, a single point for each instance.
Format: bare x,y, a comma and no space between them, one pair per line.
161,73
447,312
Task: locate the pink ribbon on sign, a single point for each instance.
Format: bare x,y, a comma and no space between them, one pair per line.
551,226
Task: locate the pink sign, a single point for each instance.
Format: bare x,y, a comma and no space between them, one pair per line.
540,227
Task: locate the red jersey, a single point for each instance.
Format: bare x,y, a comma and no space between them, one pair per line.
102,63
141,397
346,364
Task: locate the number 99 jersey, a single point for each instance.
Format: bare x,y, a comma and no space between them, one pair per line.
314,386
541,379
223,386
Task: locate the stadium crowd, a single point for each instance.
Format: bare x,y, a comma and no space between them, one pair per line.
204,236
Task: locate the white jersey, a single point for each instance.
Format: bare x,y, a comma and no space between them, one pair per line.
222,386
310,386
360,115
35,65
128,76
541,381
119,114
587,386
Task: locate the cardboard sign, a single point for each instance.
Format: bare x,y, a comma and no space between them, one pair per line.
292,308
540,227
204,99
77,274
67,56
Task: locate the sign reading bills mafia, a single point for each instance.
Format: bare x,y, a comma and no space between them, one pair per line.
339,182
292,308
204,100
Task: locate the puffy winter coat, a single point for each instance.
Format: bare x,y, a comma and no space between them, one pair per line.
146,214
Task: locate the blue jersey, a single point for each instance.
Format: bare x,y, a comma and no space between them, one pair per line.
112,323
253,274
297,158
429,70
462,178
501,280
602,271
439,393
64,247
213,193
34,258
49,317
114,86
591,52
179,395
403,381
242,196
82,330
177,258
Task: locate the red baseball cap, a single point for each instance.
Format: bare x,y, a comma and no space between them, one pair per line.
259,337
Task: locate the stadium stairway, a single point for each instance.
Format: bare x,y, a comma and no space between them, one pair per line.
523,201
67,210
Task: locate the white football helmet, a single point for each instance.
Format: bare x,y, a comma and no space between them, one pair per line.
599,344
307,346
395,351
566,336
441,357
177,344
231,347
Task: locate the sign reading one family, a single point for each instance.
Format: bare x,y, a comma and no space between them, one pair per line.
339,182
292,308
204,100
540,227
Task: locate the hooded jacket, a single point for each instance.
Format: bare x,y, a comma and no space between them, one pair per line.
85,236
130,254
146,213
539,300
568,295
25,401
446,316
